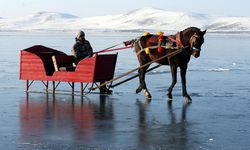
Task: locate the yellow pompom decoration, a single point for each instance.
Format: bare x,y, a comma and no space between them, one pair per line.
160,33
146,33
147,50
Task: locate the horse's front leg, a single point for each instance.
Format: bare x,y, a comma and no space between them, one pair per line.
143,85
139,89
183,81
174,80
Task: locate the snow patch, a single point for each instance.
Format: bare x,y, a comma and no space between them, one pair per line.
150,19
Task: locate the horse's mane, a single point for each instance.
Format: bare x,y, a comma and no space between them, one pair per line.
191,29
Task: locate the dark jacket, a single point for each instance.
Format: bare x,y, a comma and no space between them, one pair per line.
81,50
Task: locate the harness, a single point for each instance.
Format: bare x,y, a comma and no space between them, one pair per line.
160,42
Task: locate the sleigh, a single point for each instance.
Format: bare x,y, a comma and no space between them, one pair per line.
40,63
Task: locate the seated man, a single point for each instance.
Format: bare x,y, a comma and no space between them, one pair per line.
82,49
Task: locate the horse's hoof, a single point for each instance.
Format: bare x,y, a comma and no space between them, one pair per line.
170,97
138,90
147,94
188,99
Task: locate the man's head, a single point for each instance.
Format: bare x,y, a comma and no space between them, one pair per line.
80,36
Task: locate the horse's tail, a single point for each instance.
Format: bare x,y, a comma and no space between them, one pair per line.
130,42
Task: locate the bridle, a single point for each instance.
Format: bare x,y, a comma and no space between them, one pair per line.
192,40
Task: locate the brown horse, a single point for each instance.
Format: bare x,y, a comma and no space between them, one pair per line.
150,47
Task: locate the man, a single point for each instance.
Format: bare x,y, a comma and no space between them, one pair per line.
82,49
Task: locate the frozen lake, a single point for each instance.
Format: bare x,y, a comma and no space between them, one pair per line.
218,118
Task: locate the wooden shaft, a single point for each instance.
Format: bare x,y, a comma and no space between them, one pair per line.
126,80
137,68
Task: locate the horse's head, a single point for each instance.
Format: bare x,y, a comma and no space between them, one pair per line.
195,41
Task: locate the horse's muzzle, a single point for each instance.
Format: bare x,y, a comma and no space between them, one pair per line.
196,52
196,55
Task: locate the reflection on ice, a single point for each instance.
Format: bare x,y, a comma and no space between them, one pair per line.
164,135
49,118
67,120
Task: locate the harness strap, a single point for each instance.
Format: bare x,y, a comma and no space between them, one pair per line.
154,47
139,42
177,40
191,41
114,49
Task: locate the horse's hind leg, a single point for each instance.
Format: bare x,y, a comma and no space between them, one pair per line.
174,80
143,85
183,81
139,89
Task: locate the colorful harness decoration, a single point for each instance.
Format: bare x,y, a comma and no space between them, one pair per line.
160,41
146,33
147,50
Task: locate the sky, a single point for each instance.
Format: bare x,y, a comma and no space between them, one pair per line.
88,8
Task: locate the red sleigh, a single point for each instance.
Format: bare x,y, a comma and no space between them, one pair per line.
46,64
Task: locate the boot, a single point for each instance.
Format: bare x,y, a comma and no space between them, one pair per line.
105,90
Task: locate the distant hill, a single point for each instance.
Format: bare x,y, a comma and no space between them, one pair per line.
50,16
37,21
150,19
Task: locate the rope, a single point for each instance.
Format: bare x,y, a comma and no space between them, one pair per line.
156,46
114,49
126,80
109,47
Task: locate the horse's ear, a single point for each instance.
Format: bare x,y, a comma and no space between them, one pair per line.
204,32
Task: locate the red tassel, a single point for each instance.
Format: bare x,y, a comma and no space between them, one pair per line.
160,49
160,38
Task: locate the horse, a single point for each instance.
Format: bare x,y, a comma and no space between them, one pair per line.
147,48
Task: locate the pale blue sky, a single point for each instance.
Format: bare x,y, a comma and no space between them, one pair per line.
85,8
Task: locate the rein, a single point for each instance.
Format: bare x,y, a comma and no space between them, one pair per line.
114,49
128,44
